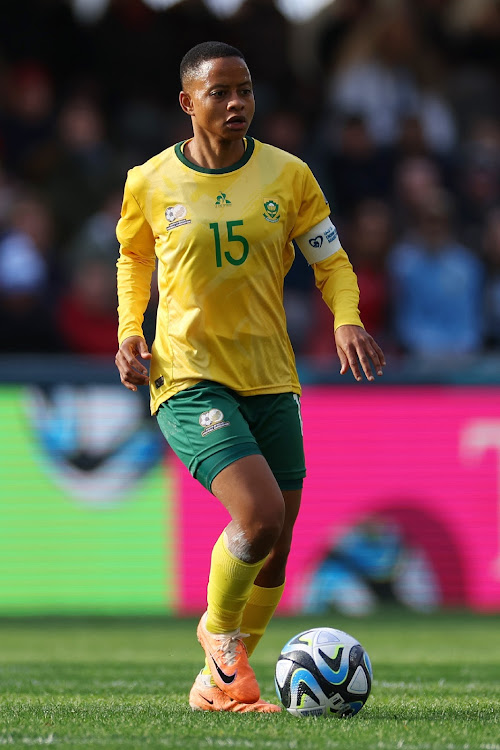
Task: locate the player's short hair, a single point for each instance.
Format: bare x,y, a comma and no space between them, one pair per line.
203,52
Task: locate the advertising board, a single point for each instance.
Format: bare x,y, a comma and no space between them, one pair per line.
421,463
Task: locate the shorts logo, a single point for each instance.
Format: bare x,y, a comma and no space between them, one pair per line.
212,420
176,216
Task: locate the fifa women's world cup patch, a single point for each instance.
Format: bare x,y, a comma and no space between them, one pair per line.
212,420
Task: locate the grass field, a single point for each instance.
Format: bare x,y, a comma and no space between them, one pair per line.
124,684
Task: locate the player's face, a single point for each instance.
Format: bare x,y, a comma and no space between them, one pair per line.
220,98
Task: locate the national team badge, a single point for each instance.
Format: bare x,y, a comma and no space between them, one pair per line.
212,420
271,209
176,216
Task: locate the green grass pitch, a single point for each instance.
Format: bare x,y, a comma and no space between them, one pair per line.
124,684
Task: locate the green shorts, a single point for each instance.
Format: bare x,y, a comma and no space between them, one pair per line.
210,426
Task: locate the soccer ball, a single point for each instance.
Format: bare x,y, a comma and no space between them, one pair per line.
323,672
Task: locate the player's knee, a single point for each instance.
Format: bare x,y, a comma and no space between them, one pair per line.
268,529
262,531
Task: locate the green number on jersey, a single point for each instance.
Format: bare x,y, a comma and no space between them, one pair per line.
231,237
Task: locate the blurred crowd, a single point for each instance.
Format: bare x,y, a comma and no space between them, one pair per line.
395,105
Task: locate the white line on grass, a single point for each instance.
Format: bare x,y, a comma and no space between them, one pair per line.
9,740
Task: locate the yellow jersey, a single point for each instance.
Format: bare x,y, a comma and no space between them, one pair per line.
223,242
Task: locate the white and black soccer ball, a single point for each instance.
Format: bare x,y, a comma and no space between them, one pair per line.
323,672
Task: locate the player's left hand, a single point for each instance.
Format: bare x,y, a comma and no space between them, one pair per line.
355,346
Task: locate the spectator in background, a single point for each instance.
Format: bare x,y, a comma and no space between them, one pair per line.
369,236
411,141
27,285
96,238
379,78
86,313
268,58
473,28
287,129
436,286
7,194
27,120
370,239
89,304
491,248
415,178
334,24
356,167
478,178
412,145
85,167
374,76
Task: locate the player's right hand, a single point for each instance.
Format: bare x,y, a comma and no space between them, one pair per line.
132,371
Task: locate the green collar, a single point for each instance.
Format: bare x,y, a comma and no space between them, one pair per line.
224,170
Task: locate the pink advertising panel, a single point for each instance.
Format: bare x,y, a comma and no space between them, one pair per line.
426,458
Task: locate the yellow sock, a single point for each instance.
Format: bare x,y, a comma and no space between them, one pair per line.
229,586
206,671
257,614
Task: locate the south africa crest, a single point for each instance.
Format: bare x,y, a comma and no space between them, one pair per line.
271,211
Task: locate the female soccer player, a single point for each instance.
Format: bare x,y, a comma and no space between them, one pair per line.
219,212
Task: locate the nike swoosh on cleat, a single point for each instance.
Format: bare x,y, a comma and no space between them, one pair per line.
207,700
227,679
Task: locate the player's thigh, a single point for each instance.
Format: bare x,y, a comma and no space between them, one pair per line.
248,490
204,426
276,423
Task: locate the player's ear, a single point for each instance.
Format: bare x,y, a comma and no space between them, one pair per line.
186,102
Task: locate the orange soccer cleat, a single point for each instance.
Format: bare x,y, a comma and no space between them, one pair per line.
228,662
205,696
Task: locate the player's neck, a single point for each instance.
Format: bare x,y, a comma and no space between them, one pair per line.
214,154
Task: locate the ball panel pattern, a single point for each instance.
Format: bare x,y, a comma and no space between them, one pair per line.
323,672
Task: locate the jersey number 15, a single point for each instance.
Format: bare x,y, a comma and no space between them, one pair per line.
231,237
